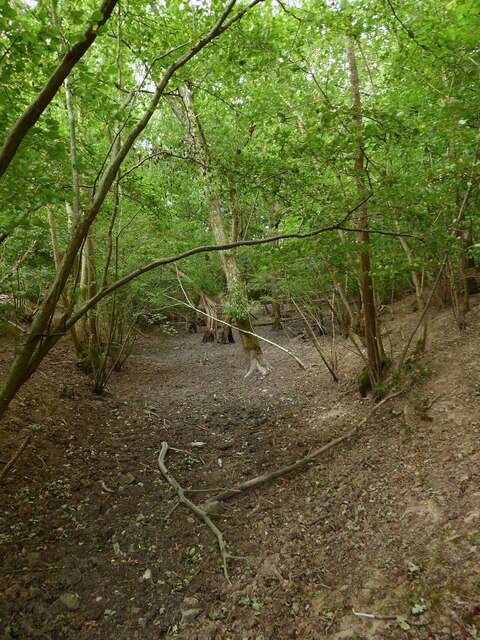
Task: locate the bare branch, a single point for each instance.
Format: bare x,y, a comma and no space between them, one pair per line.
17,455
193,507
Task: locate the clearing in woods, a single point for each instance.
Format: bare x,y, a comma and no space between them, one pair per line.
386,523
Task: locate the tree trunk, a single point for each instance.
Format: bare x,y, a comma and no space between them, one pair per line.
210,307
276,315
33,112
91,347
57,260
375,352
418,279
235,284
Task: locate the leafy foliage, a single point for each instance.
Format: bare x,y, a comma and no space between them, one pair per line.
273,98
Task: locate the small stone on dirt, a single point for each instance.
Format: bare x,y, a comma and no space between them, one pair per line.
147,575
189,615
127,479
117,550
70,600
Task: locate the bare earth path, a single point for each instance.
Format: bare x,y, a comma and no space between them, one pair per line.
387,524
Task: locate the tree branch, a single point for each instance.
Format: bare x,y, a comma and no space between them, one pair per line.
33,112
299,464
104,291
410,33
17,455
193,507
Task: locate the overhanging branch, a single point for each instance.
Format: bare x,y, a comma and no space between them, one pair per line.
89,304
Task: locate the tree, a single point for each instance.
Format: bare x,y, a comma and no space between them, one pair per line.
45,332
237,294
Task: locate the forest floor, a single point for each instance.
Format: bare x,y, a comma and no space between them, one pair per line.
386,523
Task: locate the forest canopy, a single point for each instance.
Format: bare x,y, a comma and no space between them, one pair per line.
137,131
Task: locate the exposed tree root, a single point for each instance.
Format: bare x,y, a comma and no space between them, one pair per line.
210,504
193,507
257,364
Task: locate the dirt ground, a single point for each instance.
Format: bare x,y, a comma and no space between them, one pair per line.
380,538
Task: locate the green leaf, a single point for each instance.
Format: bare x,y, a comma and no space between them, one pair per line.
97,16
418,608
79,37
402,623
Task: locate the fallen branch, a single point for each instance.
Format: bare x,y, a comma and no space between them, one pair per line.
17,455
193,507
211,503
17,326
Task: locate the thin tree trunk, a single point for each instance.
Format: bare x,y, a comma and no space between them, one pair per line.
375,352
343,294
235,283
74,215
57,260
418,280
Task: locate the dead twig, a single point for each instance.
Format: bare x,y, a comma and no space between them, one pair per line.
299,464
421,317
17,455
206,490
193,507
316,343
373,615
17,326
376,616
105,488
432,402
48,567
171,510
